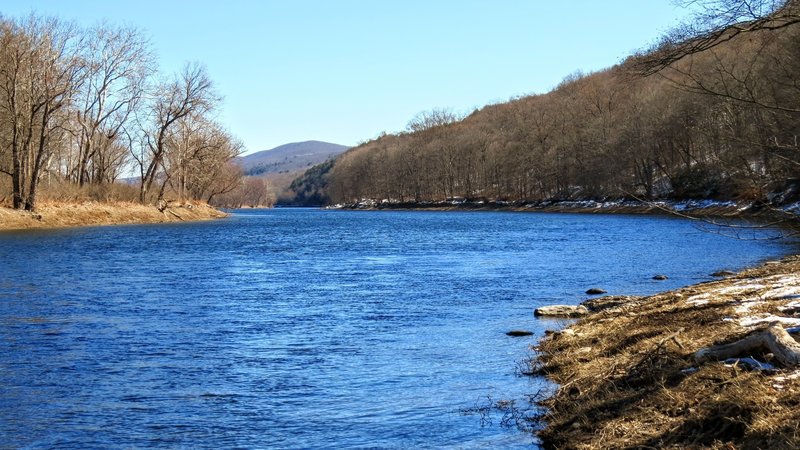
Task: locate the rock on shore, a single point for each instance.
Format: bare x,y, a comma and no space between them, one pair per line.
561,311
595,291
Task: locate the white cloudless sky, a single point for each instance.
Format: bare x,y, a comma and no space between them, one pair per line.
343,71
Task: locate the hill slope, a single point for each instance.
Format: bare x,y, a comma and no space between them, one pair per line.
289,157
721,124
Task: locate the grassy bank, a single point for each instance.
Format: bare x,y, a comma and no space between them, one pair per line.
628,379
54,215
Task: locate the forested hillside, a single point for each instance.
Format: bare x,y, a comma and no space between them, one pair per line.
269,175
289,157
712,111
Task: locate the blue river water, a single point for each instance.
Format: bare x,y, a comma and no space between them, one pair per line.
301,328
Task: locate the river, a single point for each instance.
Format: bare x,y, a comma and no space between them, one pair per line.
302,328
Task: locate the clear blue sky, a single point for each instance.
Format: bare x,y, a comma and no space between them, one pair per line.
344,70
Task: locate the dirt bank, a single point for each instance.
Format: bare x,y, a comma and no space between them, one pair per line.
628,378
54,215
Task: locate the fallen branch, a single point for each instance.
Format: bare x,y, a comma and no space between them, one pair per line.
774,340
672,337
174,214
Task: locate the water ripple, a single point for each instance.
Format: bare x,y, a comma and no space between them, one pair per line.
304,328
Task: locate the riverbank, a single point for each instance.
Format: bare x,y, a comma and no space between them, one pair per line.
56,215
695,208
628,378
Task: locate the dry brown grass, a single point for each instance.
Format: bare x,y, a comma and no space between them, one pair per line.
628,378
54,214
62,191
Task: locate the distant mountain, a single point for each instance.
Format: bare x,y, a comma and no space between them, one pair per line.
289,157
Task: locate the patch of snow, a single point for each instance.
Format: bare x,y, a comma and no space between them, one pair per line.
751,321
793,208
789,376
748,363
699,299
783,279
784,293
578,204
662,204
746,305
701,204
679,206
777,287
739,288
790,308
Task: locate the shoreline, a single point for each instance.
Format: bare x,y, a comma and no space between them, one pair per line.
52,215
627,378
683,208
625,374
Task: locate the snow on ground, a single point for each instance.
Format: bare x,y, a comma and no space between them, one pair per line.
700,204
761,319
699,299
793,208
780,293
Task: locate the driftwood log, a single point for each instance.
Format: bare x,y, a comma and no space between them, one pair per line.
561,311
774,340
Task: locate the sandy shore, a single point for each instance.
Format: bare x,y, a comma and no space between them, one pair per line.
628,379
55,215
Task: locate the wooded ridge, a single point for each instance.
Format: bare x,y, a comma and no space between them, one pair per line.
679,121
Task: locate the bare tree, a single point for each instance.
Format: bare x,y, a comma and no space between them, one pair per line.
190,93
430,119
40,73
199,154
717,22
225,180
76,104
119,62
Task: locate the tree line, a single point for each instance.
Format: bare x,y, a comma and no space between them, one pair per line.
81,108
711,111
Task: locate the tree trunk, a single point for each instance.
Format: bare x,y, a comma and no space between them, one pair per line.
774,340
16,177
83,175
30,201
